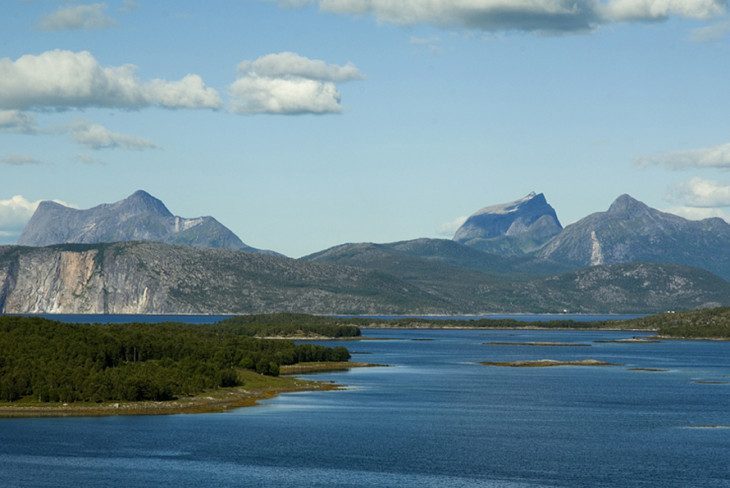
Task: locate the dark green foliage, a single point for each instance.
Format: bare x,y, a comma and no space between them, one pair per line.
289,325
53,362
710,323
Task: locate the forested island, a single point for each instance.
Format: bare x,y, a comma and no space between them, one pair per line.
44,361
713,323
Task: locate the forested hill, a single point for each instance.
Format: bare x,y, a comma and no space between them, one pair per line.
712,323
49,361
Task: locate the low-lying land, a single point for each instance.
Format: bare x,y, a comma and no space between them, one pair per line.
323,367
44,362
711,323
538,344
255,387
544,363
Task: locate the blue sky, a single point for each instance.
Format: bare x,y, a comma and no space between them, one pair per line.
363,120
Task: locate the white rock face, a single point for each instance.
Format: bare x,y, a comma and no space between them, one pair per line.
596,255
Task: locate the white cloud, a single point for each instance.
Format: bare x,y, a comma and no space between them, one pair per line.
128,6
88,159
713,32
433,44
709,157
17,121
62,80
292,65
287,83
448,229
648,10
96,136
85,17
15,213
702,193
19,160
521,15
700,213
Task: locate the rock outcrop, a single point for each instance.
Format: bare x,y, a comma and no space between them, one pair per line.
511,228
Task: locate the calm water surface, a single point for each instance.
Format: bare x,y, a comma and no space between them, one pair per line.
434,418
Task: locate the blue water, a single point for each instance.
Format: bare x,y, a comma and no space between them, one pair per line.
434,418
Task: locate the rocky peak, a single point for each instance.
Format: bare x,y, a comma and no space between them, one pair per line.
142,202
626,204
512,227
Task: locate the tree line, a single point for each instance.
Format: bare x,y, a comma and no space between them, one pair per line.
49,361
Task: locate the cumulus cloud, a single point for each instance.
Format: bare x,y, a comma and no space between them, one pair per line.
88,159
713,32
17,121
701,193
62,80
433,44
15,213
521,15
287,83
448,229
700,213
708,157
77,17
96,136
19,160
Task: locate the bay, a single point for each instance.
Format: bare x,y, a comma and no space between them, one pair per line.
433,417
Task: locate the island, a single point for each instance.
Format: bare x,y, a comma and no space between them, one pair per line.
545,363
711,323
53,368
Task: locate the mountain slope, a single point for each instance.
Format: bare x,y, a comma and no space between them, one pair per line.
630,231
139,217
472,281
511,228
148,277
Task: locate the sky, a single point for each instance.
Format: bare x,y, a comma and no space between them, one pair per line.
303,124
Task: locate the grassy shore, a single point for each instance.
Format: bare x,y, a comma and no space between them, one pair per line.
322,367
256,387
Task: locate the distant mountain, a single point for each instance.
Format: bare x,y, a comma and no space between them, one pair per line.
472,281
156,278
433,257
139,217
511,228
631,231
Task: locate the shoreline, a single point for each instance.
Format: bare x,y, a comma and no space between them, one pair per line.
324,367
256,388
527,327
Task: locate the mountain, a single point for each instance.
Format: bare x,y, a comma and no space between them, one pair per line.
157,278
511,228
631,231
139,217
473,281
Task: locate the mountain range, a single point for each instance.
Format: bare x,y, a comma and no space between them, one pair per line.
513,257
139,217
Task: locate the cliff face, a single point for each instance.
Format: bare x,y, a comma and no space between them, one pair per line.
511,228
145,278
155,278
